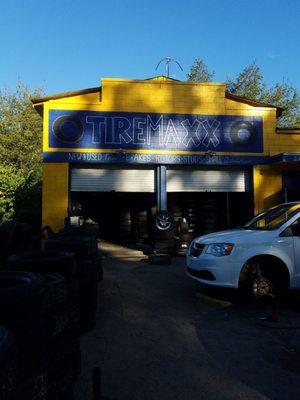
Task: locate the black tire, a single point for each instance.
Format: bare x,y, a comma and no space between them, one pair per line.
142,226
163,221
36,386
65,393
163,235
82,246
159,259
166,246
65,358
80,231
262,278
125,227
182,226
176,212
185,237
99,268
181,247
61,262
87,289
32,350
8,365
11,240
22,300
65,363
55,290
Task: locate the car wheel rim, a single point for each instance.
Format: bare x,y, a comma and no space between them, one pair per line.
163,222
262,287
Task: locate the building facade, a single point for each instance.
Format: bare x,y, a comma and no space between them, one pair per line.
132,145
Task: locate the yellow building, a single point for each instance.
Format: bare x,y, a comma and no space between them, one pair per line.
131,145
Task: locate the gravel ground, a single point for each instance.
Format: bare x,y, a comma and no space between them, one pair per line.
160,335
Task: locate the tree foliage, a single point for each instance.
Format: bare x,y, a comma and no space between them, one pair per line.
199,72
20,155
250,83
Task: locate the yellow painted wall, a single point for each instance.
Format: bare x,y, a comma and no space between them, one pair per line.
267,185
55,194
160,95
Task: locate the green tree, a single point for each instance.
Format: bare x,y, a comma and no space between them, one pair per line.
199,72
250,83
20,155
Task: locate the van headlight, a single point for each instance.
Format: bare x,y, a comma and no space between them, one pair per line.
219,249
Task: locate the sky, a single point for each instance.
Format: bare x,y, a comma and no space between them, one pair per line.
64,45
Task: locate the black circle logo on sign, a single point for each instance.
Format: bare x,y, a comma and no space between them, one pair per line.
243,133
68,129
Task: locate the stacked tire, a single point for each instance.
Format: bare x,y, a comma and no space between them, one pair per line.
142,226
208,215
89,271
183,237
58,331
125,229
177,213
8,365
192,217
25,304
14,237
163,233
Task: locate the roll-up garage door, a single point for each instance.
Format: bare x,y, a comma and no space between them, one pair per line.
108,180
207,181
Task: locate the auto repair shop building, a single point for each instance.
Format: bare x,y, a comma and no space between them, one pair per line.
129,146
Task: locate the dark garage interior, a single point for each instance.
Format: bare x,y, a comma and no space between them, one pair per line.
126,217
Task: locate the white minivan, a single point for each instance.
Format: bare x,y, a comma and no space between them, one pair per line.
261,257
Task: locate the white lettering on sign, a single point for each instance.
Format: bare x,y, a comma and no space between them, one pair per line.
145,131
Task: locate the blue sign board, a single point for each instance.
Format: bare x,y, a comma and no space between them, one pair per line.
154,159
154,132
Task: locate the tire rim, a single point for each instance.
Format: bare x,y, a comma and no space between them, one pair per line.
163,222
262,287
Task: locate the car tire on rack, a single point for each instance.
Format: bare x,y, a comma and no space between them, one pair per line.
163,226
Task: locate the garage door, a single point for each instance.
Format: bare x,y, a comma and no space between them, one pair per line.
108,180
207,181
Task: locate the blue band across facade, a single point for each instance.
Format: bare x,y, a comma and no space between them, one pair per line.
149,131
154,159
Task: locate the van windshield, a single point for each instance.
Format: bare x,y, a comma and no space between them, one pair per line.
273,218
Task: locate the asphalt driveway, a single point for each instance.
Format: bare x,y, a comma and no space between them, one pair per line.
160,335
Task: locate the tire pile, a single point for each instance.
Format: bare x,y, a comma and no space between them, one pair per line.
184,236
48,298
163,229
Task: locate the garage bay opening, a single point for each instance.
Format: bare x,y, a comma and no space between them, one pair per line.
121,200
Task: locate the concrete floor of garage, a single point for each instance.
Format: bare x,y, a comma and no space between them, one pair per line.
160,335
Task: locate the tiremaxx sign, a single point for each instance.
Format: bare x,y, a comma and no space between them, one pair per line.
154,132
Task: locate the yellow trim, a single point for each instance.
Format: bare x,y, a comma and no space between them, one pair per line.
55,194
159,80
46,128
288,131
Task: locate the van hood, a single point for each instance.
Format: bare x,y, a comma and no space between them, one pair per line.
236,236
